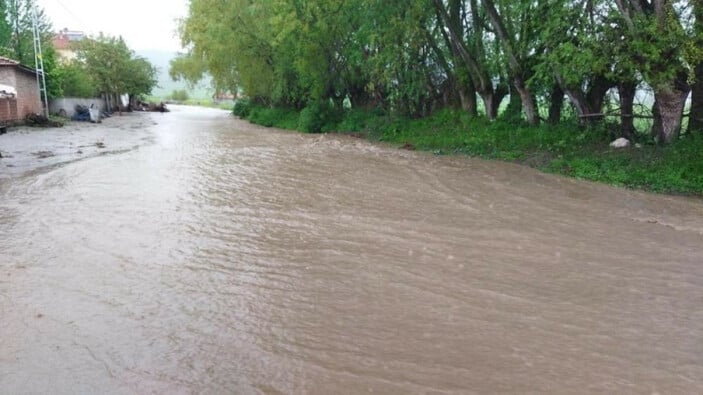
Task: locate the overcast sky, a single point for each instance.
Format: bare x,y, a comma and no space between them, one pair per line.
144,24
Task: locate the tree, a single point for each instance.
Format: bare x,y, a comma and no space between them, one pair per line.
114,69
74,81
470,53
413,57
574,54
18,21
5,28
516,53
662,51
695,123
179,95
17,39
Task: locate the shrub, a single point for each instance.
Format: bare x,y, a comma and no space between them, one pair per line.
242,108
317,117
179,95
263,116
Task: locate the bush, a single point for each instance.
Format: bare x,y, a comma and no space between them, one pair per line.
317,117
242,108
279,117
353,121
179,95
263,116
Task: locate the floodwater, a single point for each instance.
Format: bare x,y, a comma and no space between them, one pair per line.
206,255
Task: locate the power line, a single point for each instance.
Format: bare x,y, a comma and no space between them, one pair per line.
79,20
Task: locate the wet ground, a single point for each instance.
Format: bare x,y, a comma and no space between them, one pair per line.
26,149
195,253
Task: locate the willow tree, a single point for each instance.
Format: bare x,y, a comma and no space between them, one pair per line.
582,50
695,122
515,41
231,41
663,50
467,40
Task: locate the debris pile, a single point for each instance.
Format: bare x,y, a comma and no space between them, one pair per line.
38,120
86,114
151,107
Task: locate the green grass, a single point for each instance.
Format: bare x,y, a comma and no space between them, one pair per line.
567,148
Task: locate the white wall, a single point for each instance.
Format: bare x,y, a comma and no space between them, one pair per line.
68,104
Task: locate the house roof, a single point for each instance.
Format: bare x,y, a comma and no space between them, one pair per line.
64,38
7,62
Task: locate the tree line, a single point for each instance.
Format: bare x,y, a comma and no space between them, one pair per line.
519,59
103,65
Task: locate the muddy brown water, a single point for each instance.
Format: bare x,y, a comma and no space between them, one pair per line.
218,257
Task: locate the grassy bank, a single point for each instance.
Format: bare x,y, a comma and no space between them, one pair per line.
566,149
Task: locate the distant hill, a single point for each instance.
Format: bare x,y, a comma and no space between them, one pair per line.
162,61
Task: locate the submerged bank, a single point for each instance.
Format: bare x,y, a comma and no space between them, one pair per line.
25,149
565,149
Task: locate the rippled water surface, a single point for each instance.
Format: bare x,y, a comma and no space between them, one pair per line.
217,257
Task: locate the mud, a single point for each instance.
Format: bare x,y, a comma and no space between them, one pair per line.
21,147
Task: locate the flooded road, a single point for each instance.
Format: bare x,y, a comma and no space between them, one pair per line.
218,257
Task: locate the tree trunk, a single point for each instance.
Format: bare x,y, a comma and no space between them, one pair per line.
626,91
580,102
596,94
514,110
489,103
491,100
695,121
454,36
467,96
668,113
556,103
529,104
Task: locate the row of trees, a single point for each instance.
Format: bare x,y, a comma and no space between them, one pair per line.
110,67
416,56
104,65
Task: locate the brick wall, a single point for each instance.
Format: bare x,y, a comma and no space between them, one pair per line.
7,75
8,110
27,101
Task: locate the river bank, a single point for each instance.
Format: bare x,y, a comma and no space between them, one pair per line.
566,149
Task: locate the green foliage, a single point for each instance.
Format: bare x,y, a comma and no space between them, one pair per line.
114,68
74,80
268,116
416,60
317,117
353,121
16,39
17,26
179,95
242,108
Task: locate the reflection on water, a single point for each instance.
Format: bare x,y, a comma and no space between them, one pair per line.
226,258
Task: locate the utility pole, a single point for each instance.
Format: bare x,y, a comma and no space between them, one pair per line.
39,63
